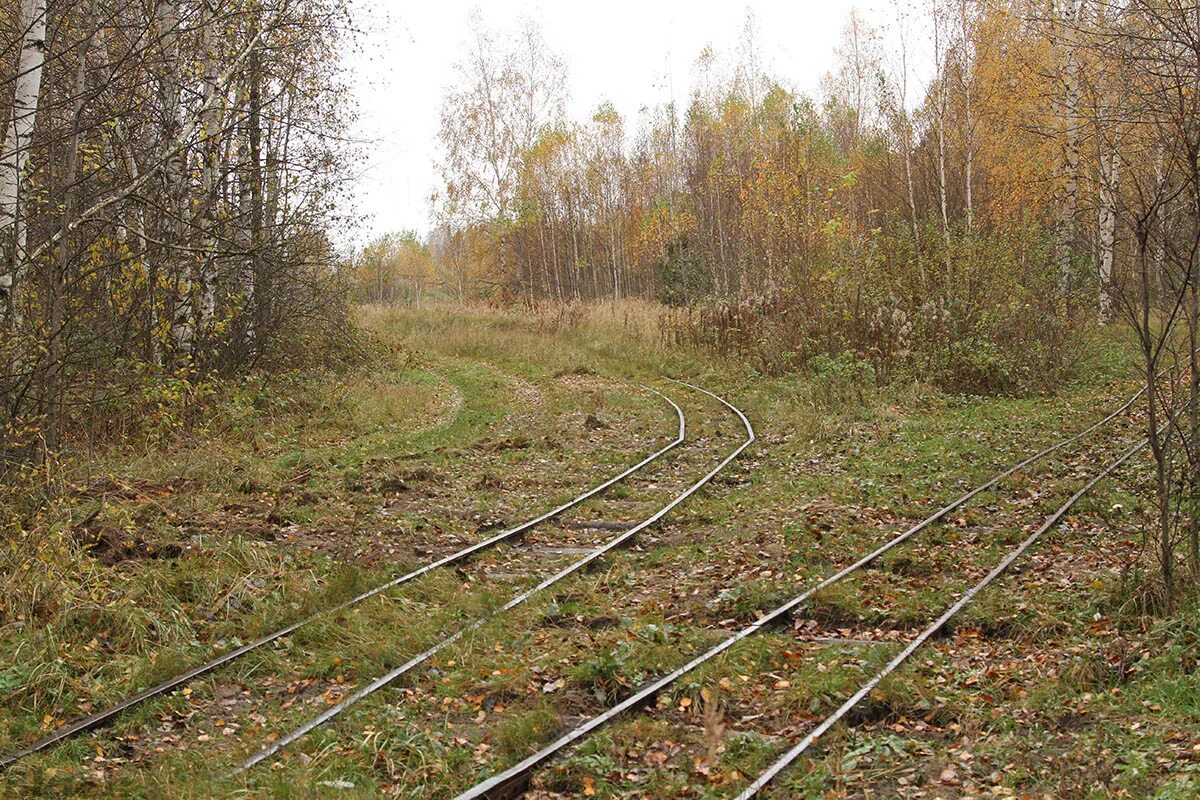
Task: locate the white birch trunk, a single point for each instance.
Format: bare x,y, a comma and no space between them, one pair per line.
1109,166
1069,208
902,116
245,236
212,119
16,151
912,191
945,207
940,124
968,122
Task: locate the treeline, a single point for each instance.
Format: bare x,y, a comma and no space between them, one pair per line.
954,227
168,170
394,269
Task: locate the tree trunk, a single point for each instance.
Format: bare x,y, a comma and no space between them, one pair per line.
27,86
1069,207
1193,408
968,121
943,202
1160,245
1193,322
1159,439
209,190
1109,172
612,244
256,295
52,384
940,126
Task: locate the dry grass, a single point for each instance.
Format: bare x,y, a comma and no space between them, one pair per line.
836,464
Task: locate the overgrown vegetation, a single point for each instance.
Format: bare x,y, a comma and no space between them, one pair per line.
169,176
924,238
995,335
905,293
305,490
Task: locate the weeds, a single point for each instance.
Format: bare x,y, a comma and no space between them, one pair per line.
271,506
608,675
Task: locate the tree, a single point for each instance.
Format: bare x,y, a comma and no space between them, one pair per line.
31,28
394,268
1142,77
509,92
166,181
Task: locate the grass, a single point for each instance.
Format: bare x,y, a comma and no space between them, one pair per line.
306,492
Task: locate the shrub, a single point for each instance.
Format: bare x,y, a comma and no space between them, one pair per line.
993,321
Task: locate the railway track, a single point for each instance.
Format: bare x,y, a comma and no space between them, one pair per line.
515,779
583,562
785,760
107,715
927,633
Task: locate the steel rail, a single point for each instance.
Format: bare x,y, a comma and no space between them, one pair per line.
926,634
99,718
514,779
382,681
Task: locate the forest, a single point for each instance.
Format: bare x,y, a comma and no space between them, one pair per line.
168,178
224,413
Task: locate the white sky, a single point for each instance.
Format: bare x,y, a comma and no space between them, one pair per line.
625,51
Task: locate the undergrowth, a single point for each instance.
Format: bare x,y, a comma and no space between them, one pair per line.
126,563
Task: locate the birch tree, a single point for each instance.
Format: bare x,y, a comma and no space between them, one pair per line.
166,184
940,111
31,23
1069,116
508,93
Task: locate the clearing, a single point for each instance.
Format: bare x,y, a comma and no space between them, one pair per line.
301,495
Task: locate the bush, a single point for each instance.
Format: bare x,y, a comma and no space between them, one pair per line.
682,278
842,376
992,322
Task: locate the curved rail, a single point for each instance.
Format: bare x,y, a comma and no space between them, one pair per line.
791,755
514,779
574,567
99,718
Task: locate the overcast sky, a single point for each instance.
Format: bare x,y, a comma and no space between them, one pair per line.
632,53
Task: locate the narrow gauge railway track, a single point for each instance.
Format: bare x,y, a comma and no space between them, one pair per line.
514,780
599,552
777,768
107,715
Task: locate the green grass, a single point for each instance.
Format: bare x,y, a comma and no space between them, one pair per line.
293,494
